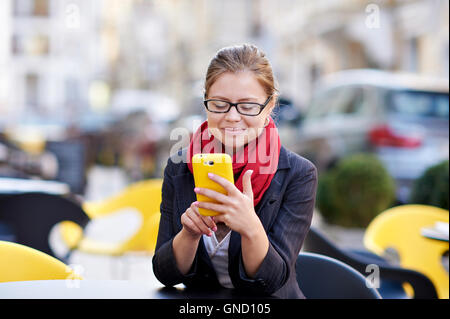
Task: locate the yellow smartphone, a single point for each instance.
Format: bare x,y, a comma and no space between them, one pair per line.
217,163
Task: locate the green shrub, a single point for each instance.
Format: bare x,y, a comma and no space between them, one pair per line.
432,187
356,190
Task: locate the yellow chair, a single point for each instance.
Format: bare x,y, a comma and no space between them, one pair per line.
144,197
400,228
22,263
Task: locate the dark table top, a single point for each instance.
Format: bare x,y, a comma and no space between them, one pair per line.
106,289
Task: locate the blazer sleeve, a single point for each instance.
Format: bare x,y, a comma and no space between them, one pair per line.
164,264
287,233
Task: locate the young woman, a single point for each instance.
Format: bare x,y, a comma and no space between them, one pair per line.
254,241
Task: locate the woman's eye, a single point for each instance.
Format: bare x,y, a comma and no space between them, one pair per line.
248,106
220,104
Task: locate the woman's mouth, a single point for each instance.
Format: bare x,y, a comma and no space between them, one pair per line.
234,130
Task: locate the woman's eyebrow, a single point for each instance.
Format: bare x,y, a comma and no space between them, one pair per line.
249,98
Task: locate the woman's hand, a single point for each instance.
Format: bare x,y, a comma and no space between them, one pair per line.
195,224
186,241
236,208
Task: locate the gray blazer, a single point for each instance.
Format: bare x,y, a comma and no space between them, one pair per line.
285,211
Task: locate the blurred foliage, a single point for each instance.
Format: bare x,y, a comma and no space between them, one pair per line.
432,188
356,190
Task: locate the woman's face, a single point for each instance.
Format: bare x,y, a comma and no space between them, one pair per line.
232,128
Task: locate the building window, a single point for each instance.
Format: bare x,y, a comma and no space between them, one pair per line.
33,45
412,55
31,8
32,90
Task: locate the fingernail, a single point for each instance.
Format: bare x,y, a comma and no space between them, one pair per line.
209,234
196,189
210,175
214,229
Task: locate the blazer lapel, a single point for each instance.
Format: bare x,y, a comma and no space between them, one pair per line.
184,191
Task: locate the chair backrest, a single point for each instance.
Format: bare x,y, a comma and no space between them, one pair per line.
400,228
71,157
423,288
22,263
322,277
33,215
143,197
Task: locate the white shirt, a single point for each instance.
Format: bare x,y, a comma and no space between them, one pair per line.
218,253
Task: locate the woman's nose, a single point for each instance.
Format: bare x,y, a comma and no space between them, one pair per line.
233,115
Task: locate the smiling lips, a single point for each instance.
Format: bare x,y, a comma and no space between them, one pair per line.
234,130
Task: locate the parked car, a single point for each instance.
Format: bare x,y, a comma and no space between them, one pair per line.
403,118
287,113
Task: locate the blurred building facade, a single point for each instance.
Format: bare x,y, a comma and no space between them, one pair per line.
48,57
316,38
61,58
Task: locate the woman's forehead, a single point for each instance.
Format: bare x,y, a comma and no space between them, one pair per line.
240,85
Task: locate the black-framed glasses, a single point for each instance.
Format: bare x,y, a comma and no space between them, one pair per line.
244,108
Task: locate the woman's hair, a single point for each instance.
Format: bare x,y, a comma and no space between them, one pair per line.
245,57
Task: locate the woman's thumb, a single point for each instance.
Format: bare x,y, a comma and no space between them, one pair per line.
247,183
